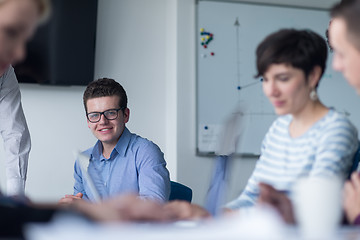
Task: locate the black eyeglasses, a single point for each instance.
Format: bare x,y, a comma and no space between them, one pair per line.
110,114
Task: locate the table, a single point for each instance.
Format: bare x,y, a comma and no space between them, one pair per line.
260,225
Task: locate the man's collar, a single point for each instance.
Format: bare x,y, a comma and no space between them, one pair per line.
120,147
123,142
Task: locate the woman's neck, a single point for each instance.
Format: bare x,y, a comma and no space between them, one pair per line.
304,120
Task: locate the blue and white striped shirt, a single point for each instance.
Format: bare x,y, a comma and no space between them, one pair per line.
326,149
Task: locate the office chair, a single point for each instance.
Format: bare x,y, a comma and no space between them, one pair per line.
180,192
356,161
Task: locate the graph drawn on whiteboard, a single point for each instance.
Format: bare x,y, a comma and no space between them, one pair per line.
226,66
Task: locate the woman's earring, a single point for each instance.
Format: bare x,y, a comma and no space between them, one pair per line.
313,95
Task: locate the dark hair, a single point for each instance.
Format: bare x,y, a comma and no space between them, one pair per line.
328,40
349,10
303,49
104,87
327,30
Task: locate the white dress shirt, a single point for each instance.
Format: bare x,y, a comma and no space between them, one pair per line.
15,133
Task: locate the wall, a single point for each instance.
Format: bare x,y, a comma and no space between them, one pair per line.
57,125
148,46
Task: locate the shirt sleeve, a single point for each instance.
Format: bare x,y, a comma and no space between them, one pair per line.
15,133
153,176
249,195
334,155
79,185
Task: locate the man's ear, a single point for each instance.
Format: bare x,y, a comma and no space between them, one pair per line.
126,115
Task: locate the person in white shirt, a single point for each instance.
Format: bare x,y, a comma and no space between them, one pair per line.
18,21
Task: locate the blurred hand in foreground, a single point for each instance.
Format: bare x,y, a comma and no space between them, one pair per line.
352,198
183,210
69,199
278,200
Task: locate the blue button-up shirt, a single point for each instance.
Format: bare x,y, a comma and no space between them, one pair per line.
136,165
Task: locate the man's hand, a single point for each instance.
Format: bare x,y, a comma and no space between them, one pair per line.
278,200
182,210
352,197
69,199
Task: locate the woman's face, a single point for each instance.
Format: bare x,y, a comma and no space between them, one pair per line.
286,88
18,20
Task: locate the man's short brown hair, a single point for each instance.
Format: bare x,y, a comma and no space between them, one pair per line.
105,87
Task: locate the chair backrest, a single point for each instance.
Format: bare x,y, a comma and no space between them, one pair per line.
356,161
180,192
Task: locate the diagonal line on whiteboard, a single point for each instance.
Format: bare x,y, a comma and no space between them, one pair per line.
237,25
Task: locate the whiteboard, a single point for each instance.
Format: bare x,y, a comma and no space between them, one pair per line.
226,68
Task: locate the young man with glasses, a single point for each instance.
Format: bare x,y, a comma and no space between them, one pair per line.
120,161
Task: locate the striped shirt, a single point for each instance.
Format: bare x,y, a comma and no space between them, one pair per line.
325,150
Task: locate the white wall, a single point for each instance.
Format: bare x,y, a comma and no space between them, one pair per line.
130,49
149,47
